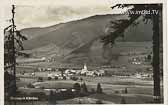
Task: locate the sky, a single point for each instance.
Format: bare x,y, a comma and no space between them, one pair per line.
62,11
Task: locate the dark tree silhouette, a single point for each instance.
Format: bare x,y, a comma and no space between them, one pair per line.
77,87
12,44
120,25
40,79
99,88
62,71
56,78
84,88
49,78
149,57
126,91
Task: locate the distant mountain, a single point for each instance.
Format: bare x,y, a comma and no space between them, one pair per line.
76,41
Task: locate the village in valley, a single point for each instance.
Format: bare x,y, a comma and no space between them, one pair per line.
44,78
99,59
63,83
85,83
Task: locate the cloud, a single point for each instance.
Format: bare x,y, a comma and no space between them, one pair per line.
46,15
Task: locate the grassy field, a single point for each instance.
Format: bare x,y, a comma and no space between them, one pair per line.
139,91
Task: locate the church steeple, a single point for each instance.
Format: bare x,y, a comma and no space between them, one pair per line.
85,67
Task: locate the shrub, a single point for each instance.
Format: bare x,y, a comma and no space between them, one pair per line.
49,78
116,92
40,79
30,85
56,78
77,87
74,78
64,77
149,57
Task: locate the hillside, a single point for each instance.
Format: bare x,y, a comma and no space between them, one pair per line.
79,41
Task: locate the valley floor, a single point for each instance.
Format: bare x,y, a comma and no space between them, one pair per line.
139,91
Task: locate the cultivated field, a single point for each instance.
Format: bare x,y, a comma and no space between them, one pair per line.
139,91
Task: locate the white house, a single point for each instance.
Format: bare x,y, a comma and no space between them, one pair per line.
50,75
49,69
70,71
90,73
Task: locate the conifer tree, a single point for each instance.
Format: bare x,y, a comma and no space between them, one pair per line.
99,88
12,44
119,26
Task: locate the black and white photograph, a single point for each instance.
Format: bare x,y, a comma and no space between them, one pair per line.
94,52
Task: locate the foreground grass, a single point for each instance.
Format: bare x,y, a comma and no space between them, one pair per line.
139,91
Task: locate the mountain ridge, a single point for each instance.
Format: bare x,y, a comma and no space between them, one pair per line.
76,38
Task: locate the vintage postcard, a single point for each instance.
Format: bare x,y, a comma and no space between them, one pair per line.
84,52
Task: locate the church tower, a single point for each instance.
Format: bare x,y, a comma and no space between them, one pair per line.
85,67
84,70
